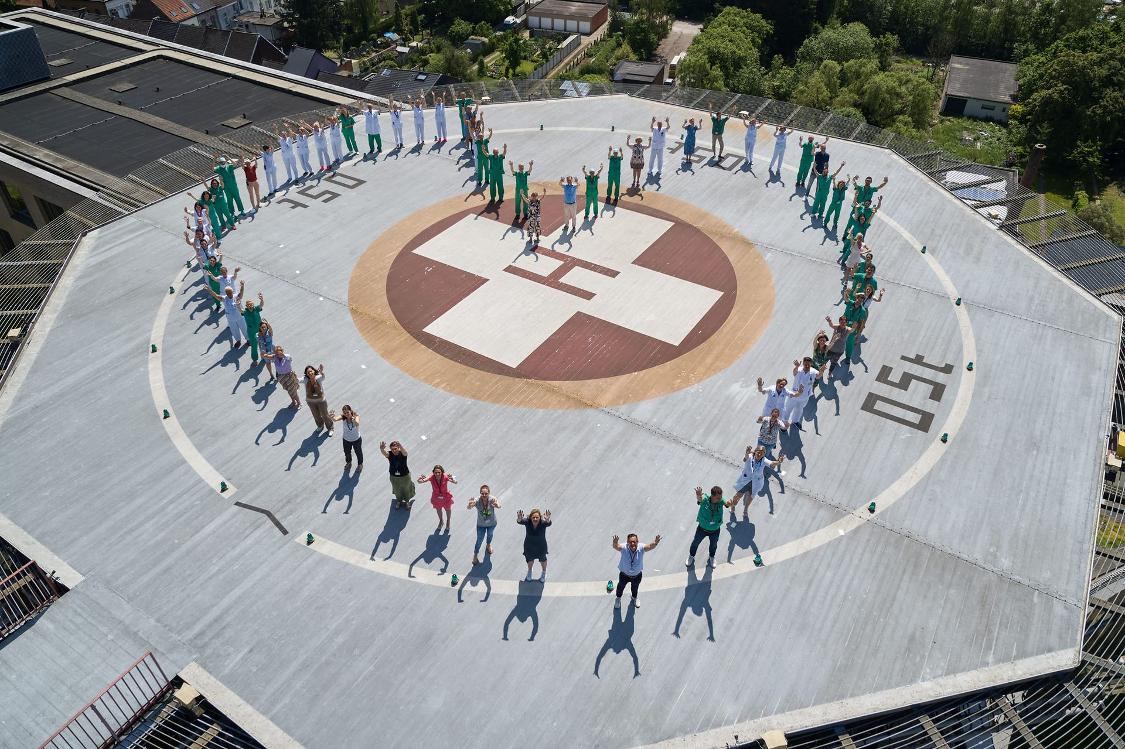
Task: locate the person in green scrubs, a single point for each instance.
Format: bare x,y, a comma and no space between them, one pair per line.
823,187
482,156
856,316
839,192
862,214
866,192
347,125
225,169
252,314
613,178
521,178
850,238
208,200
592,190
221,205
808,149
496,174
211,273
718,125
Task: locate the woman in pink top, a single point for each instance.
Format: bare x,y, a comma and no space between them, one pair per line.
442,499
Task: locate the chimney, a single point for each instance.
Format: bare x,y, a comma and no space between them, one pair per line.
1034,161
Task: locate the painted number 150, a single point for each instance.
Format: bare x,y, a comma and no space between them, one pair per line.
904,413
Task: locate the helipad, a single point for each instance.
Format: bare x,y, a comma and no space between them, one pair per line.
602,375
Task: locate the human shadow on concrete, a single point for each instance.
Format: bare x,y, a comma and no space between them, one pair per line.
697,597
345,490
740,535
253,372
620,639
309,446
828,394
261,395
436,544
478,575
774,177
392,529
229,359
280,423
792,446
566,238
653,178
527,602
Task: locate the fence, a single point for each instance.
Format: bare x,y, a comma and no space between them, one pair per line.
568,46
109,716
23,594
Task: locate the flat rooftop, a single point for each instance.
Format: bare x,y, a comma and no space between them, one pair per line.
606,403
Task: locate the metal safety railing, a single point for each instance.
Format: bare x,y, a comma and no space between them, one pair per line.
107,718
23,594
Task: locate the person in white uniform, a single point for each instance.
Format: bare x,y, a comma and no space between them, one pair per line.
419,120
270,168
336,139
752,480
779,137
231,308
286,143
804,379
776,396
303,151
321,139
752,127
396,122
439,117
371,125
659,141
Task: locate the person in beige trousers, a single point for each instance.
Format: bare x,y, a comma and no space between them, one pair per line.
315,398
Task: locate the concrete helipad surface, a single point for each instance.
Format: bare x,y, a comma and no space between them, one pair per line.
603,377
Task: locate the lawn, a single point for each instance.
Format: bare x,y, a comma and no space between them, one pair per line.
973,140
1110,533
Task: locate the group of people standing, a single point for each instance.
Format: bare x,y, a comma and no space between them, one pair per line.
213,214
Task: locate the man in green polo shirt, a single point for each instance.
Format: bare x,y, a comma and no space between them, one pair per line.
592,190
710,522
718,125
808,149
613,178
225,170
496,174
521,178
866,192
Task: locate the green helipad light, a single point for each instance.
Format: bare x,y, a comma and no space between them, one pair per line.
166,414
945,436
154,348
970,367
222,486
609,586
309,539
871,507
758,560
453,580
171,290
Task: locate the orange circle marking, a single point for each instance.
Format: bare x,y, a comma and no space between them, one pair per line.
394,293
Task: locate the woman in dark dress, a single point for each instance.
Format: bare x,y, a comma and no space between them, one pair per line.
402,485
535,540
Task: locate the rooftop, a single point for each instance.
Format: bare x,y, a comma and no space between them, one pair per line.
320,638
390,81
569,8
976,78
631,71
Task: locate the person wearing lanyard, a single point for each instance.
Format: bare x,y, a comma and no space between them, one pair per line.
353,441
570,202
776,396
710,521
286,377
402,485
631,565
753,477
486,506
772,426
442,498
804,377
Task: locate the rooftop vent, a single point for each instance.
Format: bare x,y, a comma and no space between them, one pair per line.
120,88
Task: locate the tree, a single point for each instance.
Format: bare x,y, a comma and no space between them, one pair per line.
512,48
889,95
459,31
729,43
314,23
695,72
792,21
1099,217
839,43
642,36
1083,72
453,62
